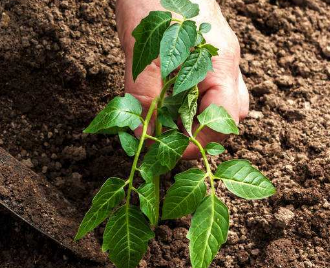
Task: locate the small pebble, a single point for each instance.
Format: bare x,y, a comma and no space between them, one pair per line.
4,23
256,114
27,162
143,264
232,238
44,169
326,51
76,176
255,252
308,264
284,216
326,205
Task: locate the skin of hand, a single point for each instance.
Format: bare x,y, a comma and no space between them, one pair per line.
224,87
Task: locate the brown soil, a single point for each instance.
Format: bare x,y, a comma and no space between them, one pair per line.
33,199
60,63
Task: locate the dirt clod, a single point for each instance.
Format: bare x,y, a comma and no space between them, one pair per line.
284,216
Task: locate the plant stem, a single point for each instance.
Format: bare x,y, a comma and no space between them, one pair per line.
174,19
167,84
198,130
159,130
139,149
206,162
152,138
156,181
157,102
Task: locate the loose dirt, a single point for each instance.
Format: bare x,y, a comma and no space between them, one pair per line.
60,63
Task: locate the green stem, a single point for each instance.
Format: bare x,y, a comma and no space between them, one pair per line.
156,181
152,138
158,102
159,130
167,84
180,21
139,149
198,130
206,162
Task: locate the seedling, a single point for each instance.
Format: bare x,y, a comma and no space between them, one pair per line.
178,43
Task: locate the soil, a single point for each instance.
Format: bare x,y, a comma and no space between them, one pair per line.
60,63
39,203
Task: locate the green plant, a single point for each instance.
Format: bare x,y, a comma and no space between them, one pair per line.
127,232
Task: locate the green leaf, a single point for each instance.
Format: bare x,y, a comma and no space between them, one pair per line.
148,201
148,35
109,196
119,113
126,237
163,155
173,103
208,231
217,118
214,148
183,7
245,181
188,109
151,165
212,49
185,194
193,70
129,143
165,118
175,45
172,144
199,39
205,27
112,130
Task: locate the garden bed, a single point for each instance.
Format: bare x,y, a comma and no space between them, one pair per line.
60,63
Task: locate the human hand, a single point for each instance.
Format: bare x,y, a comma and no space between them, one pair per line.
224,87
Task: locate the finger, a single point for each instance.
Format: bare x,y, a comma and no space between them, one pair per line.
204,137
220,97
223,94
243,97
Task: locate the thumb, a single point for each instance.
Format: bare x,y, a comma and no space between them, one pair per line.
145,88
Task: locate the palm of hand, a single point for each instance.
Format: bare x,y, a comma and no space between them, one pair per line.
224,86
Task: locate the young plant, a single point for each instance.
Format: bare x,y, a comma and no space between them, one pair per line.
179,43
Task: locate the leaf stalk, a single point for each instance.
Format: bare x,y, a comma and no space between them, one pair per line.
198,130
206,163
152,138
177,20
